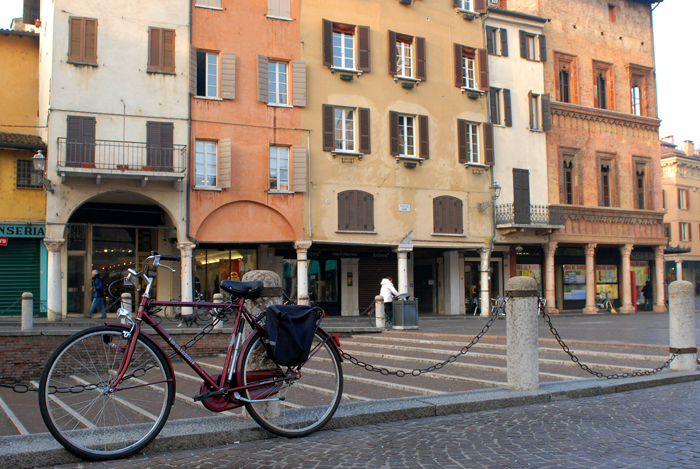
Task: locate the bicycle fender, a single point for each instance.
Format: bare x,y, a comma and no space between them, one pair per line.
149,338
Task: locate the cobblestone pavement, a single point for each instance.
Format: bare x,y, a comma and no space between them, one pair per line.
651,428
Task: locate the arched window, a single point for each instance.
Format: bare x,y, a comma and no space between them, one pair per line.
447,215
355,211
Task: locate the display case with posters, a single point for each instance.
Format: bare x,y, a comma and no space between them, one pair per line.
606,281
530,270
574,282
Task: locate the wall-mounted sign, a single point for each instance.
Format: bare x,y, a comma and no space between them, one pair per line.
404,207
642,256
22,231
3,241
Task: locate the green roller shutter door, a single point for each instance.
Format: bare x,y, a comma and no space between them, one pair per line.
19,273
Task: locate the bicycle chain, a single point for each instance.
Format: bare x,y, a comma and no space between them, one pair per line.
497,311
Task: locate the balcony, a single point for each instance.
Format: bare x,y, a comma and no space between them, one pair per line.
542,217
121,160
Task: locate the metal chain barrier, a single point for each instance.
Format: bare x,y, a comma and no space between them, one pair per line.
585,367
498,309
12,305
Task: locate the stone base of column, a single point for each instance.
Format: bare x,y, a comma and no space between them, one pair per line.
551,310
590,310
660,309
54,316
627,309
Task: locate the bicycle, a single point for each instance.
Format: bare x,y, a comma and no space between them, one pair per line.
107,391
371,312
603,302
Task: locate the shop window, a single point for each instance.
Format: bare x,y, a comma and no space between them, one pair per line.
566,78
574,282
606,281
211,266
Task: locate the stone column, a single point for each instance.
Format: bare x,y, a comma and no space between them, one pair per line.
521,323
625,282
126,304
452,279
659,297
550,293
590,308
219,298
679,270
27,311
485,294
402,251
186,274
379,311
302,248
54,288
681,324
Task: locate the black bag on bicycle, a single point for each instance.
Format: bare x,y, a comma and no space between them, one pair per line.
290,332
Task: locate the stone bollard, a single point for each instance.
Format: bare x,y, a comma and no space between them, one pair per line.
27,311
521,316
379,310
126,304
271,294
219,298
681,324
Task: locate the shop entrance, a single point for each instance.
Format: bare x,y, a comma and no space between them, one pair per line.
424,285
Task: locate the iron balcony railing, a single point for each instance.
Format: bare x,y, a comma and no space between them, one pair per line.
535,215
121,156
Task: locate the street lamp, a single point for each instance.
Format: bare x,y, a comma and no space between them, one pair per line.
39,162
495,193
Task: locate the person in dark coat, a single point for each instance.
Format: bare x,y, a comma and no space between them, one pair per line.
648,292
98,293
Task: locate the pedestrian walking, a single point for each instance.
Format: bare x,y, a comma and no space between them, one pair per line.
98,293
648,292
388,292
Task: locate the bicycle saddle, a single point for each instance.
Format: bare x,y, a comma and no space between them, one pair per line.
250,290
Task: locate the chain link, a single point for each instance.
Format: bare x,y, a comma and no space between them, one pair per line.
12,305
498,309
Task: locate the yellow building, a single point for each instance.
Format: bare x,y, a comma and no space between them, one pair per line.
22,200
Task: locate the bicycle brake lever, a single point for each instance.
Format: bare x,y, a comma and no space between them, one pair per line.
156,263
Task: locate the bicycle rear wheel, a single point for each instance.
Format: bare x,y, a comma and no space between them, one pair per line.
79,412
306,403
372,314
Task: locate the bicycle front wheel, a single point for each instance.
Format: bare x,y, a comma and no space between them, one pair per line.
301,404
87,420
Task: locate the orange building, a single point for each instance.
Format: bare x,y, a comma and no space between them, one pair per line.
248,166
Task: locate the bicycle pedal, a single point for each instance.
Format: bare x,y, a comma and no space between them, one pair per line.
204,395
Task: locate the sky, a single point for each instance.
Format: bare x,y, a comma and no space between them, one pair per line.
676,43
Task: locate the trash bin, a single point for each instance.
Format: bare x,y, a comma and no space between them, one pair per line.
405,312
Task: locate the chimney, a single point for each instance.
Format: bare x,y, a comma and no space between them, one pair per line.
688,147
668,139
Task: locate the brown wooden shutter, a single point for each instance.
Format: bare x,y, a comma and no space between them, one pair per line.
193,71
169,50
155,47
437,215
159,145
74,133
493,106
456,4
462,140
327,43
459,71
543,48
366,210
546,117
364,62
483,69
299,168
343,211
299,83
490,46
365,140
90,55
228,75
75,39
263,95
529,106
424,136
480,6
489,158
351,214
224,172
457,216
328,128
523,44
504,42
394,133
392,53
690,231
421,69
508,115
32,11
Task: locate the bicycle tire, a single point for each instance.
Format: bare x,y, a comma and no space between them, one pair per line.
372,313
309,401
96,425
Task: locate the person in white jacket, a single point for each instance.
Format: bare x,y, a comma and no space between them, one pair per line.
388,292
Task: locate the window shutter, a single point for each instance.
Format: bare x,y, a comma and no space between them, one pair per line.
273,8
456,4
193,71
31,11
459,72
224,176
154,49
483,69
364,62
690,232
489,158
490,46
263,96
299,83
437,215
543,48
504,42
392,53
421,69
529,105
88,138
285,8
90,41
493,106
506,108
343,211
73,135
523,44
367,211
169,50
159,145
546,117
327,43
365,138
424,135
457,217
328,128
299,167
351,221
75,41
394,132
462,139
480,6
228,75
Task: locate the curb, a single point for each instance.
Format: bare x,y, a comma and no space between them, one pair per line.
43,450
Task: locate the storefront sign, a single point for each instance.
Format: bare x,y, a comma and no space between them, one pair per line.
404,207
22,231
642,256
3,241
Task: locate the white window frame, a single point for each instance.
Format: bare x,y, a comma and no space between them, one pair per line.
469,68
278,166
683,199
684,231
211,80
343,57
495,39
404,54
636,99
535,112
278,82
466,5
531,40
472,138
204,168
340,114
407,135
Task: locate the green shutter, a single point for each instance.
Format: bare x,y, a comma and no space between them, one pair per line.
19,273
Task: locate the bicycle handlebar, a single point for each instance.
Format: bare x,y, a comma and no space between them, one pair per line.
169,257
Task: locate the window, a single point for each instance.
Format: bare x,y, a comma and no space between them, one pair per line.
685,231
607,181
566,77
277,82
448,215
466,5
468,142
568,183
407,136
80,141
539,111
605,185
533,46
663,198
82,42
601,95
612,13
207,74
279,9
407,56
346,46
159,145
341,126
279,168
636,100
467,75
27,178
638,82
161,50
355,211
205,164
667,231
469,72
642,186
534,112
683,201
404,129
344,120
495,106
564,95
569,188
603,86
213,4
